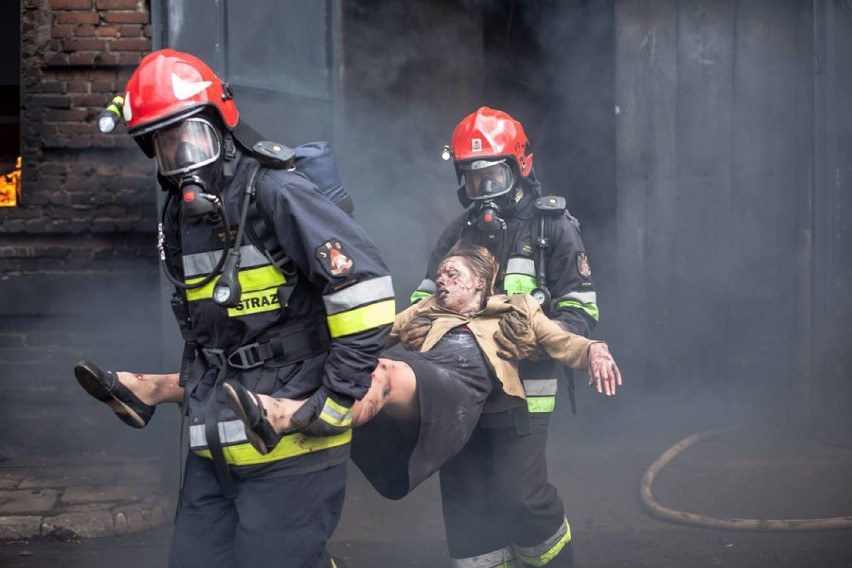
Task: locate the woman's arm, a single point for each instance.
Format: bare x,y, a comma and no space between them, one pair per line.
576,352
568,348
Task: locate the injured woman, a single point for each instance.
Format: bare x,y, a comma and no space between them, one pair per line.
425,400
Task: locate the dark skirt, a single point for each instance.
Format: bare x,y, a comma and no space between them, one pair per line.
453,382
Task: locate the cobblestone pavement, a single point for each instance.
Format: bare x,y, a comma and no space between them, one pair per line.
79,498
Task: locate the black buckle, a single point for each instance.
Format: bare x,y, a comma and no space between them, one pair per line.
215,357
246,357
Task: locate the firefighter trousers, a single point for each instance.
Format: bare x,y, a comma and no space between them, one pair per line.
273,521
498,503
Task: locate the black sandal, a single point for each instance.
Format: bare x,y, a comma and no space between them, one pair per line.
259,430
105,386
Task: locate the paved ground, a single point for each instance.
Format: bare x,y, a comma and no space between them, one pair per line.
744,474
80,489
65,498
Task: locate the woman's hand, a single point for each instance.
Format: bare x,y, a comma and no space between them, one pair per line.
603,372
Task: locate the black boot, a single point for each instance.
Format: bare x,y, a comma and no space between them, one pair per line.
249,409
104,386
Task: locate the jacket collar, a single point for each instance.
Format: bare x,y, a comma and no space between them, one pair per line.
496,304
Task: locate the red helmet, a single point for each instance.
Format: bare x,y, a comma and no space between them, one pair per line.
493,135
169,86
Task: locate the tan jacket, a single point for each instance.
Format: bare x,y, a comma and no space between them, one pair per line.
563,346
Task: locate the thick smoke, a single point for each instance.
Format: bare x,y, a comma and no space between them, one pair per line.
662,145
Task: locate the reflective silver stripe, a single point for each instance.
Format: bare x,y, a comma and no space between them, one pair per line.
203,263
427,286
543,387
230,432
359,294
520,265
582,297
337,416
532,552
488,560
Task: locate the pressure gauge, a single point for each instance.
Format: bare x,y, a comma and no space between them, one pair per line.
541,295
222,295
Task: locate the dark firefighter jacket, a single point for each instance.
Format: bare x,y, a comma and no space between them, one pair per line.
342,289
568,276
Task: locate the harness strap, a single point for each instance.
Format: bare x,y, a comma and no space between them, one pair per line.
259,232
211,431
289,343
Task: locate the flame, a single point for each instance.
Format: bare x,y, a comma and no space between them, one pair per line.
10,187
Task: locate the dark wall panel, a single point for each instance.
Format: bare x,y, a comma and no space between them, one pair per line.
645,98
762,221
697,273
832,275
710,170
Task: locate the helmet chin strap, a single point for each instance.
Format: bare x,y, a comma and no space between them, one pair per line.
229,153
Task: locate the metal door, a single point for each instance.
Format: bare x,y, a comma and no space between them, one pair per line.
280,57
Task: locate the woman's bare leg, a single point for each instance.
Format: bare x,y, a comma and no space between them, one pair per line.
393,390
153,389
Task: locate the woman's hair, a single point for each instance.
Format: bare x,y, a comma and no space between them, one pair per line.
480,261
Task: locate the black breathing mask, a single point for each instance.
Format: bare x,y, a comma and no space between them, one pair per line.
189,157
488,217
488,213
196,197
189,153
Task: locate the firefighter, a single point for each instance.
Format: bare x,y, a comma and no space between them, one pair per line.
517,512
309,328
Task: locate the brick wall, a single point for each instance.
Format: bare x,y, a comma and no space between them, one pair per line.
88,199
77,182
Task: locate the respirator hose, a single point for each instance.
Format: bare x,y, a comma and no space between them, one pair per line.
161,248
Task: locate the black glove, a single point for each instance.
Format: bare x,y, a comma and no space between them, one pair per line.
413,334
516,339
325,413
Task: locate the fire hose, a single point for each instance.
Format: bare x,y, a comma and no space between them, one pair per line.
693,519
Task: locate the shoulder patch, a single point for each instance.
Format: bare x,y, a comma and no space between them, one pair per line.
583,265
334,258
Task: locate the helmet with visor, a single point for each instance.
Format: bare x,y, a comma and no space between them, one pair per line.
486,179
490,149
186,146
175,97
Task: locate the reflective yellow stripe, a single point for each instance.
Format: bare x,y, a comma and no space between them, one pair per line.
336,414
518,284
552,551
251,280
425,289
541,403
419,295
362,319
288,447
591,309
256,302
